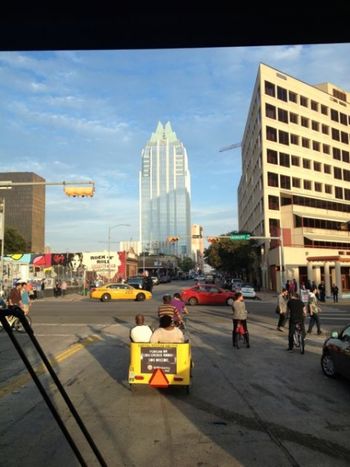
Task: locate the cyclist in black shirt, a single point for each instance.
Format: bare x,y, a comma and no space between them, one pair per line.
297,313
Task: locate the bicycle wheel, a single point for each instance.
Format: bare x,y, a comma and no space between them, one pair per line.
301,343
18,326
296,339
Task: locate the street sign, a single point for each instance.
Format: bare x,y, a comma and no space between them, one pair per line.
240,237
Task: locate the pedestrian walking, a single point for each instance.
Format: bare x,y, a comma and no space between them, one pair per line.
281,309
335,292
64,288
322,292
314,310
240,315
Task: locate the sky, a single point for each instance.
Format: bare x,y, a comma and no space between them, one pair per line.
87,115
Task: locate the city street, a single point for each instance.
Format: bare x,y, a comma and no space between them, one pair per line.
261,406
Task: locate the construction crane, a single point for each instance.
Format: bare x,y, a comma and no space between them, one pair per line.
231,146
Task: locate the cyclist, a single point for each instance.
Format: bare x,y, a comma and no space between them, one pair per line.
239,317
15,297
297,313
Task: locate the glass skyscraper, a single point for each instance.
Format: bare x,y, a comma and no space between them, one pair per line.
165,194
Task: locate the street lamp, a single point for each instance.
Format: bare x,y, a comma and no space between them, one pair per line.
109,245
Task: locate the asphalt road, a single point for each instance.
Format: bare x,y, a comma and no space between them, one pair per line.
260,406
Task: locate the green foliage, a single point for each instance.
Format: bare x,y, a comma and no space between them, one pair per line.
231,256
186,264
14,242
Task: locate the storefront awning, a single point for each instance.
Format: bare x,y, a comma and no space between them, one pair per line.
327,238
316,215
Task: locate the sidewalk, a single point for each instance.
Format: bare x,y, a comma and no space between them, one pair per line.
73,297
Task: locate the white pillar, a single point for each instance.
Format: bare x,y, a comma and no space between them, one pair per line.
309,271
317,275
338,277
327,279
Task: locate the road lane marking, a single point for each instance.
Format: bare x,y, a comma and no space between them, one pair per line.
40,369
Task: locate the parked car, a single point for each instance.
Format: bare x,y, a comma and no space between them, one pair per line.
207,294
247,291
119,291
155,280
236,285
335,358
135,281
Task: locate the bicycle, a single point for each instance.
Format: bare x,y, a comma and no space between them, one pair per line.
239,336
298,338
15,323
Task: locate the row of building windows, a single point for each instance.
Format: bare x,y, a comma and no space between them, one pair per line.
283,181
284,116
315,203
285,160
283,137
290,96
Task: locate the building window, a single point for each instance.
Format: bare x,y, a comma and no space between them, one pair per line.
345,155
324,109
334,115
272,179
314,106
335,134
296,161
305,122
283,137
317,166
346,175
282,115
318,186
270,89
271,134
293,97
347,194
306,164
284,159
270,111
307,185
285,182
294,118
316,146
327,169
338,192
294,139
328,189
339,95
315,125
305,142
325,129
282,94
337,173
326,148
336,154
344,138
343,119
274,203
272,156
296,182
303,101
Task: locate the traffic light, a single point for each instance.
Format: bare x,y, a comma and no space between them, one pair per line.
212,239
79,191
173,239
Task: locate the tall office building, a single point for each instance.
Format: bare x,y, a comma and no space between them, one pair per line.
25,208
165,195
295,182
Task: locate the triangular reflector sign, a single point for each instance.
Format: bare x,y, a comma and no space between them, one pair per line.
158,379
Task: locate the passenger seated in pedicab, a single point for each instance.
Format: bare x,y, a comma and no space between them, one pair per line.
167,333
141,332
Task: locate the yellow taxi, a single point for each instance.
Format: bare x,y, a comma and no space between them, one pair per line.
118,291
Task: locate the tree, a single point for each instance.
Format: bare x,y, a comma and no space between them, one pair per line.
186,264
14,242
232,256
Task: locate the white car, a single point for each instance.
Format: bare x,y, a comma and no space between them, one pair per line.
248,291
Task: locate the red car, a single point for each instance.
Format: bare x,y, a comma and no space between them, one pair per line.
207,294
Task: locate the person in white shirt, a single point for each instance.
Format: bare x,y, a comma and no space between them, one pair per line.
141,332
167,333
